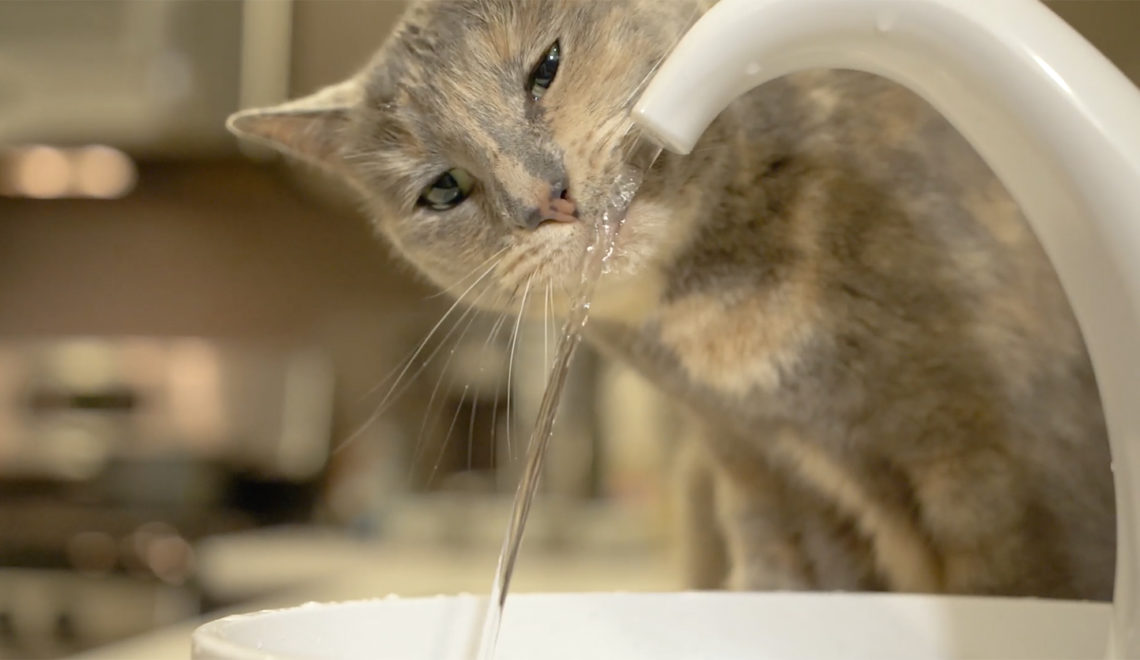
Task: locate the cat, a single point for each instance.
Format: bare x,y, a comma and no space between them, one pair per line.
890,391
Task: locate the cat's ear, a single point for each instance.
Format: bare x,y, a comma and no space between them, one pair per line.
310,128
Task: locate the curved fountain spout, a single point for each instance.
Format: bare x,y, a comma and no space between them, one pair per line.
1055,120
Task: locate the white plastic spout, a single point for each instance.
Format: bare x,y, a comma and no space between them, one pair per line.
1054,119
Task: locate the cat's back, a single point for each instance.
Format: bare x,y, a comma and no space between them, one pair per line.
942,338
911,200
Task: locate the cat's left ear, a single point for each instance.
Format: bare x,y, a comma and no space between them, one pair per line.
309,128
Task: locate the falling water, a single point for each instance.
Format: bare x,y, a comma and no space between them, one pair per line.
594,264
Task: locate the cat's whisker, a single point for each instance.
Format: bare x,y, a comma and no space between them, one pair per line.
459,283
429,411
511,363
358,156
401,385
447,437
471,424
546,328
406,363
478,396
471,311
498,388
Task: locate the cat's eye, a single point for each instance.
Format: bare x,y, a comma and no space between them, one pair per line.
448,191
543,75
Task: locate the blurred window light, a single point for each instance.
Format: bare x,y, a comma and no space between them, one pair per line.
46,172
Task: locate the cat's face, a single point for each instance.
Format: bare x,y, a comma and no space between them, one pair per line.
486,135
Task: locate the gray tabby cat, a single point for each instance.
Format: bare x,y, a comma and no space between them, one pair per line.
893,392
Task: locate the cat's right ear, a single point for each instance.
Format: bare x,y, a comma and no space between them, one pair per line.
309,128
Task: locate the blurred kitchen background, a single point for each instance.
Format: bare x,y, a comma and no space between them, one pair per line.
199,409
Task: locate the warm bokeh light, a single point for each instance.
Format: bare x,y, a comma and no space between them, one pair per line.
103,172
45,172
41,172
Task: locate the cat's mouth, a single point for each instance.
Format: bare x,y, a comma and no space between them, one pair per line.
562,208
554,251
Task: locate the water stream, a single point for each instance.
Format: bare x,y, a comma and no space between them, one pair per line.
593,266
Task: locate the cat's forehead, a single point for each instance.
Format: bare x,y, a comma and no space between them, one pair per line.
437,30
446,19
450,86
443,50
439,40
454,62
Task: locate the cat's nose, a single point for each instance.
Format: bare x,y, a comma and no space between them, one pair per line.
557,207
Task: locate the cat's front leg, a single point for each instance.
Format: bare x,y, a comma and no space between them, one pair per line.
700,540
763,549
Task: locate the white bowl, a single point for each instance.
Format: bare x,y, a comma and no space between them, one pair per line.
719,626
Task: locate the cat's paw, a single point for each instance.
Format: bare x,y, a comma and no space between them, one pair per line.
756,577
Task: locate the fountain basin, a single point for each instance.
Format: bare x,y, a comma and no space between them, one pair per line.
671,626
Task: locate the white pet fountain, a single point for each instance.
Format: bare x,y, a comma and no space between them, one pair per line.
1061,127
